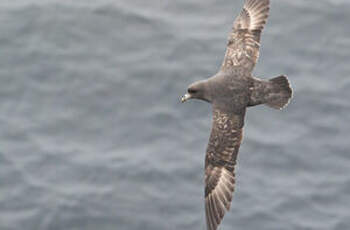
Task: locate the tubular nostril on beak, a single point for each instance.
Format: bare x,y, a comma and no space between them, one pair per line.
185,97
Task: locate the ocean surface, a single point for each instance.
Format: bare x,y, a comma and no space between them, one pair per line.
93,136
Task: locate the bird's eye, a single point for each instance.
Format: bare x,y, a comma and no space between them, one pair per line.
191,91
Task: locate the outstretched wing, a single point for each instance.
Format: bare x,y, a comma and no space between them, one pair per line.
224,142
243,42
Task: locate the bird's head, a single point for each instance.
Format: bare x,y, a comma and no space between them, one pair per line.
198,90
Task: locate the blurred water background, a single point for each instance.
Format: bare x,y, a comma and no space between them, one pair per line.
93,136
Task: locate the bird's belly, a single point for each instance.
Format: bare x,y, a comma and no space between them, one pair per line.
237,98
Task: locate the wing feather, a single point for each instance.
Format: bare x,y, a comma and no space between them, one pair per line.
220,160
243,42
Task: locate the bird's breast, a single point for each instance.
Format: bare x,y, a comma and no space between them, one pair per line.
234,94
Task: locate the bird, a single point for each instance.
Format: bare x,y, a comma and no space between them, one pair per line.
230,92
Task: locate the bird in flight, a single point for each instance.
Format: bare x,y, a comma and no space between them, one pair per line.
231,91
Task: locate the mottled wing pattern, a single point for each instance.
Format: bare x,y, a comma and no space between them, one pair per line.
224,142
243,42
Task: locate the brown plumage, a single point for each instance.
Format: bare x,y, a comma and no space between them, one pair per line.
230,92
220,160
243,42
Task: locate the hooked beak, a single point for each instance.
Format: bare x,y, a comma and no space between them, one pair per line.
185,97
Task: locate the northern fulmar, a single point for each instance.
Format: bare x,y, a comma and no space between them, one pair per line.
231,91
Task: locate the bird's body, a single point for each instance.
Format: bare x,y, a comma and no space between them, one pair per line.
230,92
230,88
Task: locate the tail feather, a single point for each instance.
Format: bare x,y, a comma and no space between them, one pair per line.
281,92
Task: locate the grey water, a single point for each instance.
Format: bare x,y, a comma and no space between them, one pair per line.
93,136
